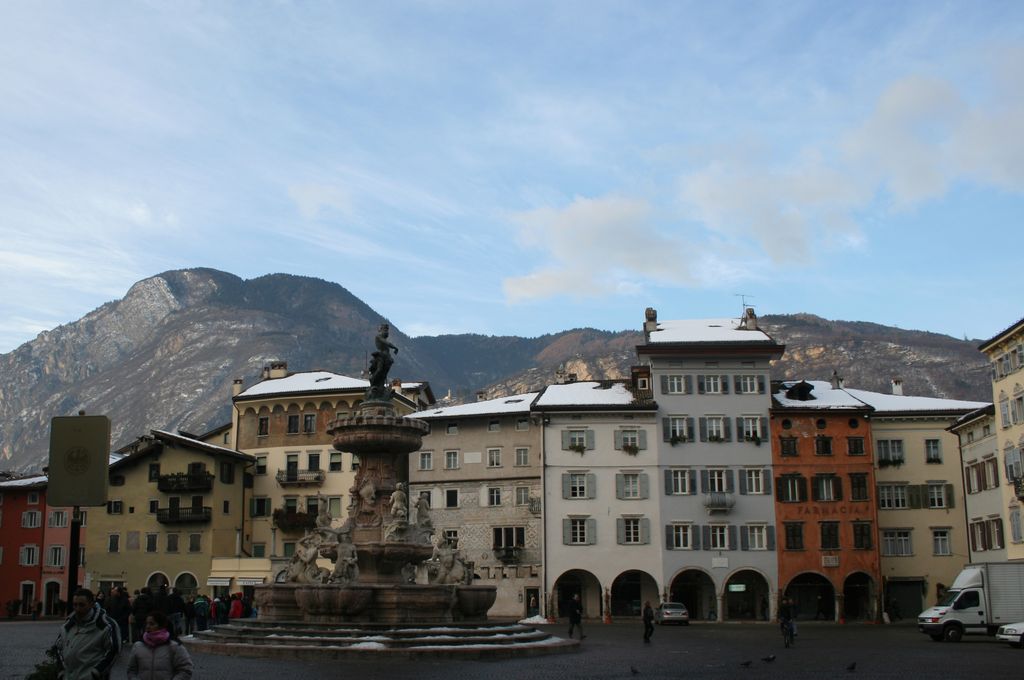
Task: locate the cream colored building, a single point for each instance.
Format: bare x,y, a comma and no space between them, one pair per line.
174,504
920,495
480,468
984,486
1006,352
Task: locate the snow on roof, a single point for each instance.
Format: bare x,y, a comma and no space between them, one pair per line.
308,381
706,330
24,481
823,396
518,403
900,403
586,394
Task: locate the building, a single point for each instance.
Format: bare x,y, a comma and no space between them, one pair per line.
985,489
480,471
825,511
602,536
711,379
1006,352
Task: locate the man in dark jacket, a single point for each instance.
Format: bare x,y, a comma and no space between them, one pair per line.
141,608
89,640
576,615
119,609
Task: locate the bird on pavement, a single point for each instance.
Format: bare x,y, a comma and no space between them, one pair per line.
745,664
768,659
852,667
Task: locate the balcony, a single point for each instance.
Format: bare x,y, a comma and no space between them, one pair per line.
509,555
300,477
718,502
185,481
292,520
1018,487
191,515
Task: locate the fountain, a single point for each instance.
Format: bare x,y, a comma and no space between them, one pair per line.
395,585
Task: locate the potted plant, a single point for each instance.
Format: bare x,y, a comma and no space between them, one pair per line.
754,438
578,448
715,438
676,439
631,449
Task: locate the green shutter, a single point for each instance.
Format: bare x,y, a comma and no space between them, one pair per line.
645,485
591,485
565,440
566,531
620,530
590,439
619,484
668,482
591,525
565,485
641,437
645,530
950,496
666,429
617,435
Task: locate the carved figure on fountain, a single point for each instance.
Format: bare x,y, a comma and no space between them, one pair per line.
380,364
346,565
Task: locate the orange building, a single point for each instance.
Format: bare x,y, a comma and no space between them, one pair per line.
826,515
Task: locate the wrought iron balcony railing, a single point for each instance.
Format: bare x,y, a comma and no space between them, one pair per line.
300,477
185,481
189,515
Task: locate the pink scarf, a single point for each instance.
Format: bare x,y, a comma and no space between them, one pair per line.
157,637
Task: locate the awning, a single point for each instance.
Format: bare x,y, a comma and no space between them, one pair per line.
218,581
251,581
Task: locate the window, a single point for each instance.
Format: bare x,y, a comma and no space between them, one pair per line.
673,384
862,535
578,485
28,556
892,496
994,528
261,465
115,507
309,423
291,504
293,424
792,488
58,518
313,460
33,498
896,543
991,473
748,384
936,495
822,446
932,451
681,537
754,481
717,481
890,451
312,505
630,485
1016,535
260,507
151,543
677,429
719,537
55,556
355,462
334,506
829,535
493,458
288,548
577,531
426,460
451,537
154,472
522,424
681,482
522,495
451,498
451,428
631,531
263,426
114,543
855,446
494,425
522,457
827,487
451,460
709,384
259,549
172,543
715,428
787,446
195,542
940,542
227,472
82,514
858,486
154,505
334,465
751,428
756,537
494,495
577,439
508,537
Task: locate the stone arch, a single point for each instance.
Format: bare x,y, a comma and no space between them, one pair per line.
746,596
577,581
860,597
248,411
186,583
695,588
277,408
813,596
155,580
51,596
629,591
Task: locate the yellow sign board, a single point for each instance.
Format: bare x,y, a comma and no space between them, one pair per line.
79,455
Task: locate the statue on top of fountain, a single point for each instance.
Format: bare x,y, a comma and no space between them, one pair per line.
380,365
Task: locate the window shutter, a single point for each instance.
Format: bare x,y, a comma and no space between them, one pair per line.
620,530
727,426
590,439
760,384
666,429
617,435
669,538
837,486
566,531
641,438
645,486
737,385
769,537
802,483
703,481
816,489
950,498
744,538
693,481
706,536
689,429
645,530
914,496
739,428
764,428
780,489
619,483
700,384
723,380
732,536
688,384
591,525
743,482
252,507
565,485
591,485
703,429
766,481
565,440
730,481
694,537
668,482
664,384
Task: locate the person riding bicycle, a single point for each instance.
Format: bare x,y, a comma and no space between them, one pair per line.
787,615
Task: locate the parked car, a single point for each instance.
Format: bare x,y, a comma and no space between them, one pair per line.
672,612
1012,633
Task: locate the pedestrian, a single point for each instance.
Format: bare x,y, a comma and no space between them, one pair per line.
158,655
236,610
202,611
220,610
119,609
190,615
141,608
576,615
648,621
89,640
177,606
37,609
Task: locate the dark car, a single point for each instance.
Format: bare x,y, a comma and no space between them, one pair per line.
672,612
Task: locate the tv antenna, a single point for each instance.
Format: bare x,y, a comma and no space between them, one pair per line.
743,300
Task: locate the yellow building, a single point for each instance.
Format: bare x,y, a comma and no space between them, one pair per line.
174,503
1006,352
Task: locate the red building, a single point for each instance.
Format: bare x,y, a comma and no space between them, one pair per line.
826,516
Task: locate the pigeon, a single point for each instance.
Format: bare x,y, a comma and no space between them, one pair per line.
745,664
852,667
633,670
768,659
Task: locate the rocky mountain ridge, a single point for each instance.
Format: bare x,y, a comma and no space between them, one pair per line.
166,354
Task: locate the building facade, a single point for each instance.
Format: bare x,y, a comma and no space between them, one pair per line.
985,488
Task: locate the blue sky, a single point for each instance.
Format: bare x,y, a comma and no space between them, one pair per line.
519,167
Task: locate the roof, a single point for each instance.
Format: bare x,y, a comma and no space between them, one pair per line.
1009,330
988,410
35,481
891,404
517,403
706,330
591,395
311,382
160,436
823,396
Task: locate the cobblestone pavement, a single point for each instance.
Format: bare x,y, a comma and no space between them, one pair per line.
614,651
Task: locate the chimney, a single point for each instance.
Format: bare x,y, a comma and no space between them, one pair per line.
265,373
837,382
750,320
897,386
481,395
236,387
560,375
650,322
278,369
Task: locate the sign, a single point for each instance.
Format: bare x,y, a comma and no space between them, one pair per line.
79,456
737,587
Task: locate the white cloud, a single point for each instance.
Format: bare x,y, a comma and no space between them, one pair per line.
312,199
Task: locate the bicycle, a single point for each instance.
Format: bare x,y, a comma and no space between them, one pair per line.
787,633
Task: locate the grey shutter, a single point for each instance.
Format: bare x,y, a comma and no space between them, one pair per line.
780,489
744,538
664,384
645,530
760,384
641,438
693,481
668,482
619,484
766,482
565,485
591,485
620,530
727,426
618,439
764,428
688,384
732,536
837,486
703,481
736,384
723,380
769,537
950,501
666,429
645,486
739,428
566,531
689,429
914,496
743,482
669,542
706,536
802,484
590,439
695,537
700,384
703,429
565,440
730,481
815,489
591,525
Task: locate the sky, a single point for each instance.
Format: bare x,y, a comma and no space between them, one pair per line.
521,168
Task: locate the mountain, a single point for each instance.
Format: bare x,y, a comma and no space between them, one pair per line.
166,354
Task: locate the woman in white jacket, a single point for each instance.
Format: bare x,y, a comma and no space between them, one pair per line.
157,656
